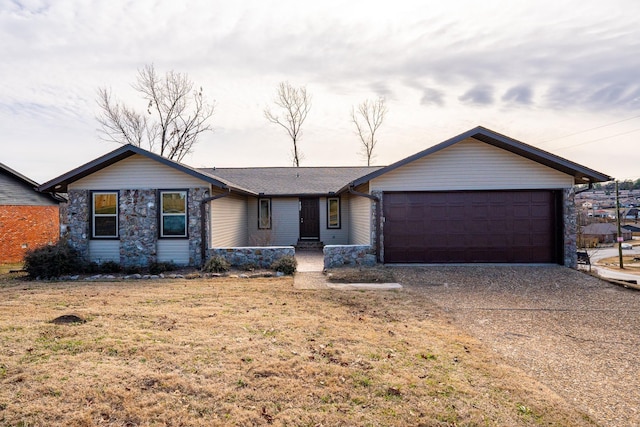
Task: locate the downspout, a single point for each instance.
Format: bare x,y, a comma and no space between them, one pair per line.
589,187
203,223
376,199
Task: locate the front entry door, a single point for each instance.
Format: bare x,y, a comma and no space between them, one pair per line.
310,219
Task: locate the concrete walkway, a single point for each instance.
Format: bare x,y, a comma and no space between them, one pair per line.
309,275
310,261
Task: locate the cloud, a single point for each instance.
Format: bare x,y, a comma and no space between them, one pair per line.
382,89
478,53
615,94
478,95
520,94
432,96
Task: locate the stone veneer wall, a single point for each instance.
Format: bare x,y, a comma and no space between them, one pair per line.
138,224
374,218
194,199
261,257
570,219
78,222
349,256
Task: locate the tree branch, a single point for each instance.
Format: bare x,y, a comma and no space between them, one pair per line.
172,121
295,103
367,120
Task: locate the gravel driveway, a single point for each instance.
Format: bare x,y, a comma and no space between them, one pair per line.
574,333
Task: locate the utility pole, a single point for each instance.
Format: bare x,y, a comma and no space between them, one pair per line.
620,239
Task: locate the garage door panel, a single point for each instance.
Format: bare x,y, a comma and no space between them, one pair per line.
474,226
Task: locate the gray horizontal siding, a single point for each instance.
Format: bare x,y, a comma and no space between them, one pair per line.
229,222
175,251
359,219
335,236
285,228
104,250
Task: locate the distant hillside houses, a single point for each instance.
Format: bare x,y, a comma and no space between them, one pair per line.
603,232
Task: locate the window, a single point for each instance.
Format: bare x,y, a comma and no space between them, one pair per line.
333,212
173,214
264,214
105,215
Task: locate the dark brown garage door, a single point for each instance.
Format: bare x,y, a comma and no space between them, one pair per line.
470,226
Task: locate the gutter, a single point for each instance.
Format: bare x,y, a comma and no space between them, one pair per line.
203,222
376,199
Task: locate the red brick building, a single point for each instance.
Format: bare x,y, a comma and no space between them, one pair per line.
28,219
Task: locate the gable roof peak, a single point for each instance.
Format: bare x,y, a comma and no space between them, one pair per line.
580,173
60,183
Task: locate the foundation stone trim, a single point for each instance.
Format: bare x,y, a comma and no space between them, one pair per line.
261,257
349,256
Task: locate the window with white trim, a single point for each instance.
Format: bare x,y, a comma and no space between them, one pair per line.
333,212
104,221
264,214
173,214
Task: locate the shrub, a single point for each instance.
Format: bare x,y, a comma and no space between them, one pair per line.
133,269
216,264
52,261
161,267
109,267
287,264
249,266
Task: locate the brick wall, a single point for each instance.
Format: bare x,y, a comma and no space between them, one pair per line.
26,227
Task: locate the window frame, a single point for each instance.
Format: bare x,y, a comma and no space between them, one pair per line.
95,215
339,223
162,215
270,209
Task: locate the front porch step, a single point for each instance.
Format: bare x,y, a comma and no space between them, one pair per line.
309,245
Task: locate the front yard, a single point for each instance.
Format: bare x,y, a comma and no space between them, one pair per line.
250,352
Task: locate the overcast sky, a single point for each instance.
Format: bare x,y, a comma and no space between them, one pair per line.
539,71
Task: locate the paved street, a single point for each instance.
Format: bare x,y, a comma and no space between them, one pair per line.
598,254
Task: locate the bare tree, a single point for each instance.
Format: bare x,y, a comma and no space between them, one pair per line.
295,104
176,114
368,118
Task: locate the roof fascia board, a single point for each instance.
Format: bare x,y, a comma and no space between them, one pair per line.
18,175
275,196
412,158
538,155
86,169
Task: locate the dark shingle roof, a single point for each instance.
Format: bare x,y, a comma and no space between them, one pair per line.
599,228
289,180
18,190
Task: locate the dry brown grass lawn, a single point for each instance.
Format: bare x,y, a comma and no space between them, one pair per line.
6,268
630,262
250,352
378,274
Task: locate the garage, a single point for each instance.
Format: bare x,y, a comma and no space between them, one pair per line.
511,226
479,197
